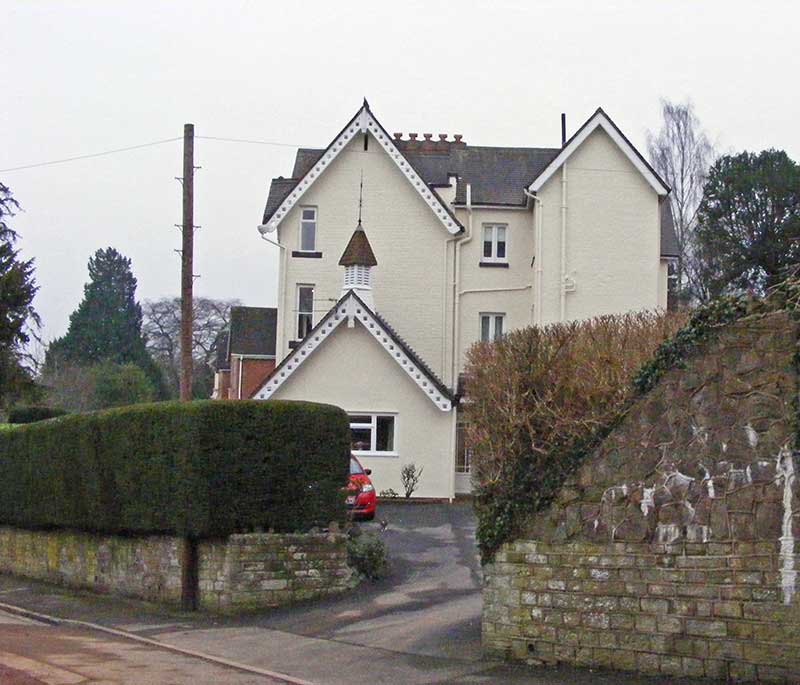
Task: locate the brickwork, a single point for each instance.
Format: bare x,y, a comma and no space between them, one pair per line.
673,548
242,572
259,570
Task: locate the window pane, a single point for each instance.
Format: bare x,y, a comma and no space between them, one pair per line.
306,300
360,419
385,439
304,325
501,242
309,214
308,235
498,327
488,237
361,439
485,321
355,468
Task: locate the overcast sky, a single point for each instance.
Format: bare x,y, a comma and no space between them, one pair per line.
85,77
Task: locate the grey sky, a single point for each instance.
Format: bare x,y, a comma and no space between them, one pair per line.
84,77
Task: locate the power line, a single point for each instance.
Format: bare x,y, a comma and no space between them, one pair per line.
89,156
245,140
143,145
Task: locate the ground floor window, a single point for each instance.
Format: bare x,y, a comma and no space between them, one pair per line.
492,326
373,433
463,453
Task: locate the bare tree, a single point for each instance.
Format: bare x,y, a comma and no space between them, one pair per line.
682,153
162,325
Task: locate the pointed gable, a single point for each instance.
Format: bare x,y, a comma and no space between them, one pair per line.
352,309
601,120
363,122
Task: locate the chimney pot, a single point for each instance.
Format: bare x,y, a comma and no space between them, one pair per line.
428,136
398,136
412,136
442,136
458,137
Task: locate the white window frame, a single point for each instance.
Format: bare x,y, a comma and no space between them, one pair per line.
492,316
494,259
315,220
300,286
373,428
468,451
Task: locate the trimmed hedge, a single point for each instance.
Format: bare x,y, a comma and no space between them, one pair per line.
33,414
199,469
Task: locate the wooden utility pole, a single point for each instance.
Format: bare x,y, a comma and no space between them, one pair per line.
187,262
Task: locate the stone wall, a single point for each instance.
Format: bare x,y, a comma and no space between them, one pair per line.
148,568
254,571
672,549
242,572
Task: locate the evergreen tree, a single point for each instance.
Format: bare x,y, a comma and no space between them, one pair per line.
17,316
107,325
749,221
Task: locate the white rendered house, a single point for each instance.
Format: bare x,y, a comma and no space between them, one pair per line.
458,244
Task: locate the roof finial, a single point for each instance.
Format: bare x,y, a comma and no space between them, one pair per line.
360,195
366,104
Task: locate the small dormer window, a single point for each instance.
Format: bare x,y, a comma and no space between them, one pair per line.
308,229
494,243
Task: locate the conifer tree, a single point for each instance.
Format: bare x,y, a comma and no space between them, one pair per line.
107,325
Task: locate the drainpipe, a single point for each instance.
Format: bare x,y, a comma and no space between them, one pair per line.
281,289
563,241
537,240
456,293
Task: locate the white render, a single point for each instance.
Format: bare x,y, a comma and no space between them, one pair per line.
433,292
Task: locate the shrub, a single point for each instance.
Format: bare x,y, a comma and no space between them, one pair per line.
199,469
409,477
538,400
33,414
388,494
118,385
367,554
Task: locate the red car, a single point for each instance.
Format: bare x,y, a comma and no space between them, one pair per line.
361,499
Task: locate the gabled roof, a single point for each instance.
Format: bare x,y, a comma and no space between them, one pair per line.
358,251
284,198
601,120
352,308
253,331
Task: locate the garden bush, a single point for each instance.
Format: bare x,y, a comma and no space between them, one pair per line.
199,469
33,414
539,399
367,554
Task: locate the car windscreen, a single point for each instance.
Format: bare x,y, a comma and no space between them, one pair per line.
355,468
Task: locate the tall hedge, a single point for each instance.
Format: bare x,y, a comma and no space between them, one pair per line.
202,469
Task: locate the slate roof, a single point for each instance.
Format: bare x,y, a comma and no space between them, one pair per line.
253,331
497,175
358,251
669,241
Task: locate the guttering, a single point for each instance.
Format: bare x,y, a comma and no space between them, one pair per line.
538,243
456,294
281,288
563,288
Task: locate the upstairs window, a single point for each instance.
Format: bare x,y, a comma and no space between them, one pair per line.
305,310
308,229
492,326
494,243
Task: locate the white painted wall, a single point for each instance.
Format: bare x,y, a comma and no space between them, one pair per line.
353,371
409,242
612,237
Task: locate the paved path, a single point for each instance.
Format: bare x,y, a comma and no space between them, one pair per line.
33,653
421,625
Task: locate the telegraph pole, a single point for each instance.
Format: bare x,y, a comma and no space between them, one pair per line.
187,262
